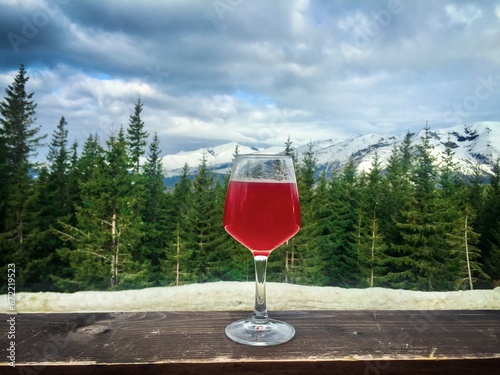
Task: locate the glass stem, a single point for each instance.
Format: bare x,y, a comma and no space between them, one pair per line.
260,311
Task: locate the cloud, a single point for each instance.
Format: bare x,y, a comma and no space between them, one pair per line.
210,72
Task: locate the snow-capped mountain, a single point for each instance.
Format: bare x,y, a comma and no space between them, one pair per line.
472,144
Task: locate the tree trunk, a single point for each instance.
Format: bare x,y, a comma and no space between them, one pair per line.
178,266
372,260
467,253
115,250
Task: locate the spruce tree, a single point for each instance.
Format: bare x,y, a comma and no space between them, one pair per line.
239,266
157,213
422,254
84,245
399,188
371,242
123,211
19,140
453,211
104,243
304,260
463,240
176,263
59,164
136,137
73,178
202,222
321,241
155,186
341,248
50,203
290,149
489,225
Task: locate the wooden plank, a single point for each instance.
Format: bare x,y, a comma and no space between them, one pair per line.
370,342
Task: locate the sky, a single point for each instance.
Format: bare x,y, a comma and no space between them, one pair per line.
252,71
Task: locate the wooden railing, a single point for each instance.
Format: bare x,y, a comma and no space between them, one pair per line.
326,342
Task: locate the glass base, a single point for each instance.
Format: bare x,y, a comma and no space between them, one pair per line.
273,332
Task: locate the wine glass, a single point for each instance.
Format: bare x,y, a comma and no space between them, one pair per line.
261,212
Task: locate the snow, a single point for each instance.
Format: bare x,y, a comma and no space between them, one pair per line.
229,296
334,153
218,158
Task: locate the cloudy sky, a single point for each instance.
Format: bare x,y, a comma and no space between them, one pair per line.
255,72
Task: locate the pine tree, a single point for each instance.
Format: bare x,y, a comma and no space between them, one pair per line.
453,208
303,259
73,179
341,246
109,229
489,225
59,164
322,234
398,173
421,259
155,186
371,242
175,265
463,241
50,203
136,137
240,265
202,225
17,118
290,149
19,141
157,213
123,213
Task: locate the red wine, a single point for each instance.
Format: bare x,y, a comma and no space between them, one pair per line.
262,215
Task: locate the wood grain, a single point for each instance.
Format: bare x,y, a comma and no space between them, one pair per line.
343,342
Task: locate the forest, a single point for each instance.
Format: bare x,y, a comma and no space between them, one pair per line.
98,216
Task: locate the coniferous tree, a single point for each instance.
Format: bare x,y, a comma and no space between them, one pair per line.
453,211
489,226
19,140
423,252
155,187
322,240
125,200
371,242
73,186
399,188
239,265
59,164
341,250
175,265
302,264
475,192
203,221
109,230
50,202
157,213
290,149
88,263
136,137
463,241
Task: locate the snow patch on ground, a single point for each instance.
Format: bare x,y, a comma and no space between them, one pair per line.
227,296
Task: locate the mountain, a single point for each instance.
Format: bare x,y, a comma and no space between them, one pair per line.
472,144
